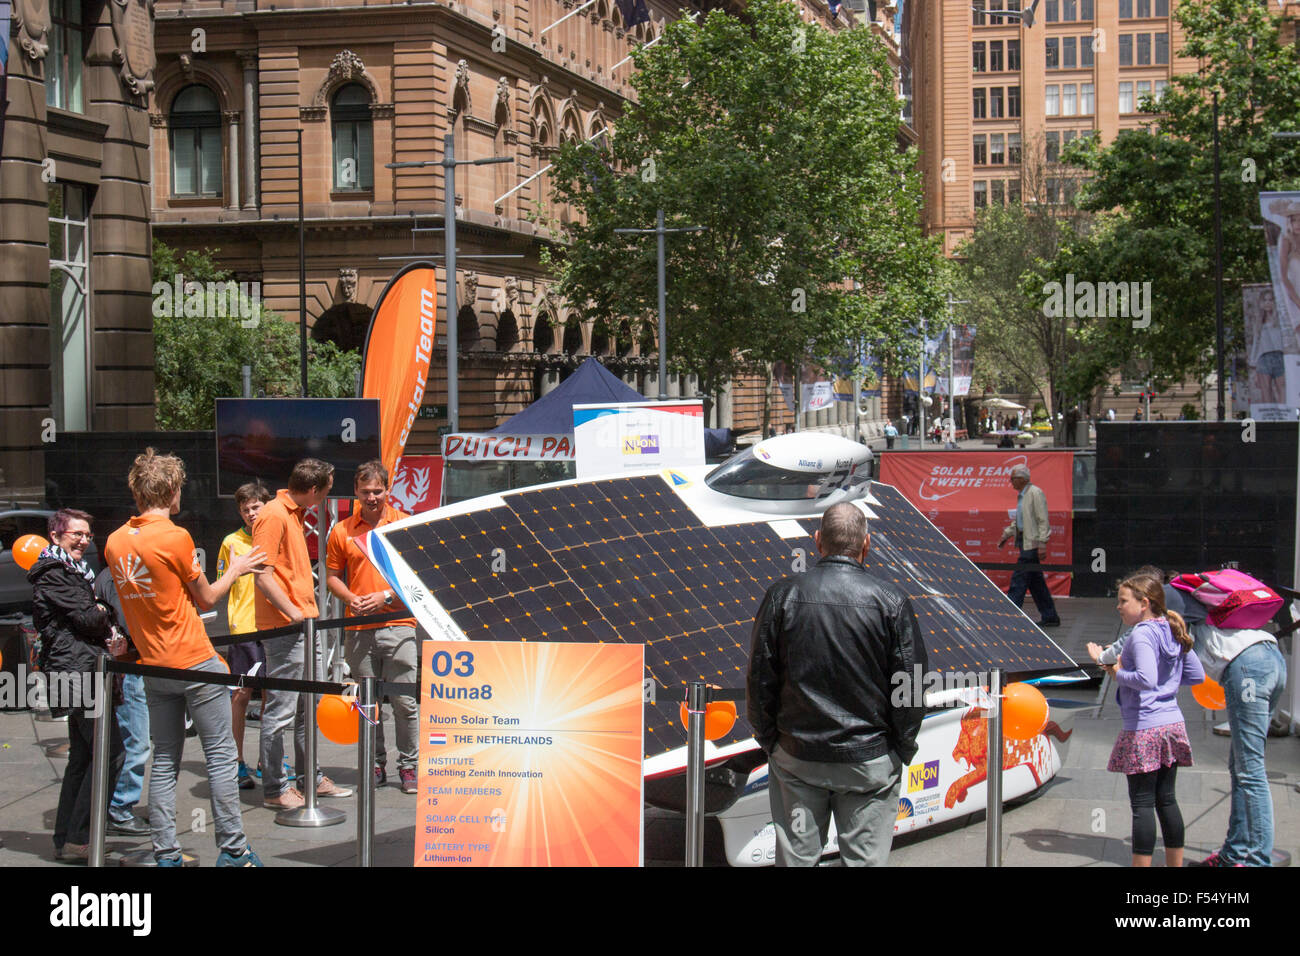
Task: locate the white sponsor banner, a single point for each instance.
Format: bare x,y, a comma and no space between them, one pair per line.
464,446
629,436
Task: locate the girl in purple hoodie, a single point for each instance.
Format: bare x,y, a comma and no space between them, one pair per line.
1157,659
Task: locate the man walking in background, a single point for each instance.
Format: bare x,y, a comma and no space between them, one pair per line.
833,700
1030,530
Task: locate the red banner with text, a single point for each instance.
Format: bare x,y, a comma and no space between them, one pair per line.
968,496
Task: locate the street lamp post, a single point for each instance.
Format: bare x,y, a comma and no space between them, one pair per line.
1218,264
449,162
660,232
952,385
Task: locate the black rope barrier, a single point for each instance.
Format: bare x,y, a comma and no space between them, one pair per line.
288,629
230,680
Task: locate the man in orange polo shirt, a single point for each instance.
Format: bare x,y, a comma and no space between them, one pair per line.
286,595
391,652
159,583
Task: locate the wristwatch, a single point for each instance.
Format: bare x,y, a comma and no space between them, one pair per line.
388,597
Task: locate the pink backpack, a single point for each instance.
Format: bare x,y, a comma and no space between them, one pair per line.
1236,600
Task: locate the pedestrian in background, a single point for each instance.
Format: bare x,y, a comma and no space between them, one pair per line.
1030,532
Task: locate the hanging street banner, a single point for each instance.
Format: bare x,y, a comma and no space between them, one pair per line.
963,360
968,496
612,438
1271,373
530,754
395,359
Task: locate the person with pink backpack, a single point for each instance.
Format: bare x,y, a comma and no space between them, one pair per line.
1246,660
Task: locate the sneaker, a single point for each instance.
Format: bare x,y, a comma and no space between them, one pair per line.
245,778
1056,623
328,788
172,861
288,771
381,775
408,781
247,858
290,799
73,853
1214,859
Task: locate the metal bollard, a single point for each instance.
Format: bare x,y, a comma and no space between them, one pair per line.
366,774
697,699
309,815
993,811
99,762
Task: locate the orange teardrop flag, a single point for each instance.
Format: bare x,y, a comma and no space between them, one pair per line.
395,366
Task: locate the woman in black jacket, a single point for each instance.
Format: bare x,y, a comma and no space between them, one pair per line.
75,629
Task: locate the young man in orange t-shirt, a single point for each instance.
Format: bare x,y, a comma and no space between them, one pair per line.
159,583
389,652
286,595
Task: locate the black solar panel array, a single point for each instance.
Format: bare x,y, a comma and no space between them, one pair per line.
625,560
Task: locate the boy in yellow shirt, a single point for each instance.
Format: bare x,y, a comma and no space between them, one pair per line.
247,659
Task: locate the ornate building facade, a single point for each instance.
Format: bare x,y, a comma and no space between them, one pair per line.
370,86
76,330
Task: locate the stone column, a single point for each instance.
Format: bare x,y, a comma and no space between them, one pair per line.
248,58
725,408
232,194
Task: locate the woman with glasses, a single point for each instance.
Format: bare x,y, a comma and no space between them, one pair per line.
75,629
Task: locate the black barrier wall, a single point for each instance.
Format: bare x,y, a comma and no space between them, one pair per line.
87,470
1191,496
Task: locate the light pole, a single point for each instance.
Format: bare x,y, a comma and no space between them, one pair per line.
952,385
449,162
660,232
1218,264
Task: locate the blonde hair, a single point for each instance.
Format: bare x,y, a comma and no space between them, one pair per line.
1146,586
155,479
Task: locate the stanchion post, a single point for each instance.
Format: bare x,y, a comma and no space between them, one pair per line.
309,815
993,812
697,698
99,762
366,775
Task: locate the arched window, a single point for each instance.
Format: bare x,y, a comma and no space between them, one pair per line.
354,161
543,334
507,332
195,123
467,331
571,344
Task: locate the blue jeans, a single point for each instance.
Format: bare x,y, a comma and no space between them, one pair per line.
133,722
1253,683
1036,584
209,707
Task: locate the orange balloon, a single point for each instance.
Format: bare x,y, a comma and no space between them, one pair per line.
27,549
337,719
719,718
1024,712
1210,695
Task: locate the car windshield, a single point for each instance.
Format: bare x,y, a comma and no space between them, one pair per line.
747,476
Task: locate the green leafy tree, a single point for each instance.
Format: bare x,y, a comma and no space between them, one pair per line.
1000,272
1156,185
201,344
781,139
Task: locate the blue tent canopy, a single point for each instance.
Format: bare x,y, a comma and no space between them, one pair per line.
552,414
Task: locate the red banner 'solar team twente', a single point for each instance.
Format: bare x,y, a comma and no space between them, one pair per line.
395,362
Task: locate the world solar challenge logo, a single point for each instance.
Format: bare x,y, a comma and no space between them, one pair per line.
641,445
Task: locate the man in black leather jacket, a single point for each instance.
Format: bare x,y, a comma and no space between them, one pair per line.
833,657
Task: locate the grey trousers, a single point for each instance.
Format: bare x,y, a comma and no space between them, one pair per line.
209,706
285,657
390,654
862,796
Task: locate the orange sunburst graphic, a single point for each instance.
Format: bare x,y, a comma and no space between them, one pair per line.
530,754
